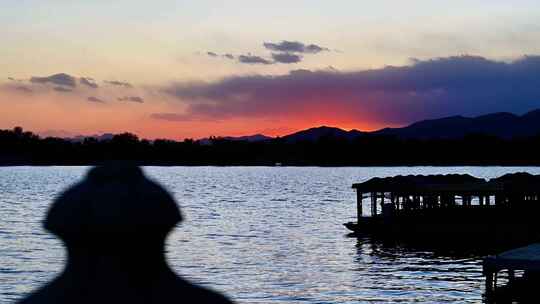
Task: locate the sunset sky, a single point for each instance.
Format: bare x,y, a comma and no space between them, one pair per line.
178,69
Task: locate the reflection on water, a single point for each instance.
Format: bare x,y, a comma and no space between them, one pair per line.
259,234
409,273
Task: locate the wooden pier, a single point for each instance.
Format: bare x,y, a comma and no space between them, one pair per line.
450,206
525,260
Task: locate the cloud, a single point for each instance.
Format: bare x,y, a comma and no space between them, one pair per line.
119,83
62,89
276,58
15,80
61,79
226,56
76,86
23,89
132,99
286,52
286,58
89,82
95,99
294,47
182,117
172,116
251,59
468,85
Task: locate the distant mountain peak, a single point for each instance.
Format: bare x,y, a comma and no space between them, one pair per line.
316,133
249,138
533,113
501,124
322,128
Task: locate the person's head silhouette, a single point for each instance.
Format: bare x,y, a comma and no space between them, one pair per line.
114,224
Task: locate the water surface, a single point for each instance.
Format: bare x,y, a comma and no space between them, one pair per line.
259,234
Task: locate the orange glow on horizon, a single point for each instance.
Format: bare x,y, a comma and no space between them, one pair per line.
71,115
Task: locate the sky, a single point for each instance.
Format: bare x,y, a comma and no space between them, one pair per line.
192,69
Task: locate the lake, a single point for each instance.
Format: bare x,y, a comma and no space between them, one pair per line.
258,234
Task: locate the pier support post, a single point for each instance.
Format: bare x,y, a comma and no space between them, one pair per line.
373,203
511,275
489,283
359,197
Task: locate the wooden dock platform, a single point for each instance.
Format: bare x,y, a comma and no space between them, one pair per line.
525,260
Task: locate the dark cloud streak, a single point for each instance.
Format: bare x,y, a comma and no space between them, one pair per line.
23,89
89,82
251,59
294,47
15,80
286,52
62,90
286,58
95,99
118,83
61,79
132,99
172,117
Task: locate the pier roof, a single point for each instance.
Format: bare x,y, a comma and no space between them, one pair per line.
523,258
512,182
427,183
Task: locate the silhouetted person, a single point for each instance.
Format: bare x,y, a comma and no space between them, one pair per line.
114,224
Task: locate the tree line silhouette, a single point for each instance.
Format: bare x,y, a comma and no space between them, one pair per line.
19,147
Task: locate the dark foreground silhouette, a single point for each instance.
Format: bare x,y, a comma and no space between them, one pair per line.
114,224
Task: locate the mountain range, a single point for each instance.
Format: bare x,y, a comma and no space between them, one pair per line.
501,124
